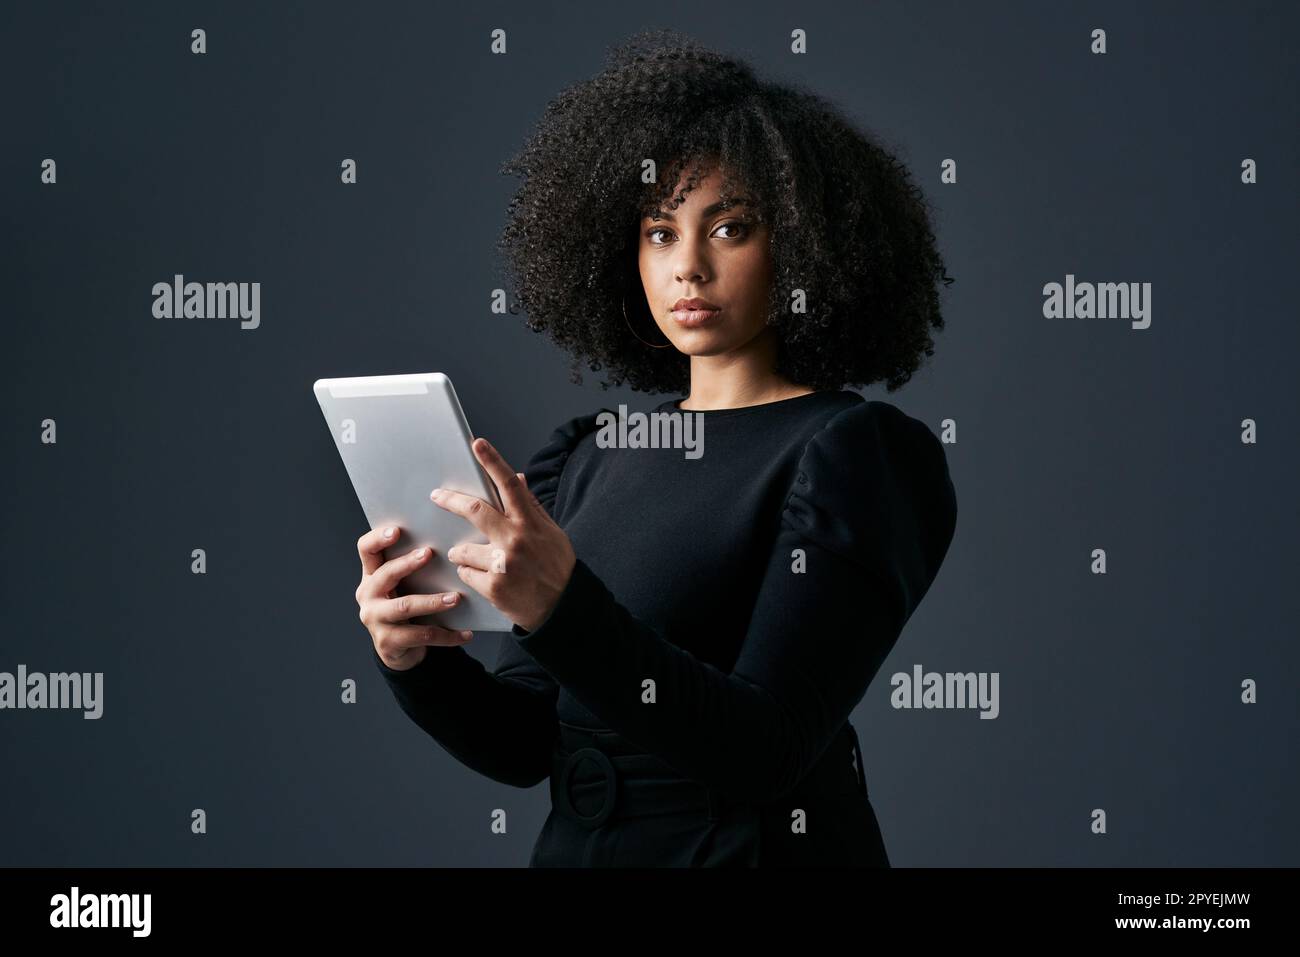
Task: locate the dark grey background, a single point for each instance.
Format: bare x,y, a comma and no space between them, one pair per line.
222,691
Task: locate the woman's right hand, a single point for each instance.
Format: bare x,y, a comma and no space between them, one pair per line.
399,646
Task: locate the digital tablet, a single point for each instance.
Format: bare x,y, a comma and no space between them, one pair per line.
400,437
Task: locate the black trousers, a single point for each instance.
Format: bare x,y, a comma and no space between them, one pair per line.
612,806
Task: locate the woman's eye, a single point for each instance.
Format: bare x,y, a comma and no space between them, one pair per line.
743,227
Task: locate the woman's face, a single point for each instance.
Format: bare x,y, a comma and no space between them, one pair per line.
720,256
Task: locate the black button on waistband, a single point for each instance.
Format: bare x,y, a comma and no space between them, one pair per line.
561,781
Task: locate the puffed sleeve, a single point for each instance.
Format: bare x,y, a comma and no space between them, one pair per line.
866,523
544,469
503,723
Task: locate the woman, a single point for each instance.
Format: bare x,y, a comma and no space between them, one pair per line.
691,634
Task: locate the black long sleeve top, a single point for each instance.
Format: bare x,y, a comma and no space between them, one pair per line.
760,585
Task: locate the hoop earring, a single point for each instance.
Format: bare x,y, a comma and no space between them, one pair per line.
633,331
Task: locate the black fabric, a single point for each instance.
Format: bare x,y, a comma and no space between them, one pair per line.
760,587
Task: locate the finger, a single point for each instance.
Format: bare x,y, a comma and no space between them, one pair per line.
488,558
507,481
523,480
371,545
402,638
473,509
391,572
475,578
396,610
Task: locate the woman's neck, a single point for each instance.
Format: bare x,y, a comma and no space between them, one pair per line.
704,398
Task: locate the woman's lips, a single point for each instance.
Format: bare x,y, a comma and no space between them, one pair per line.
694,317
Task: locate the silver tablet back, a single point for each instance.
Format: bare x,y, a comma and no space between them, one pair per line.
400,437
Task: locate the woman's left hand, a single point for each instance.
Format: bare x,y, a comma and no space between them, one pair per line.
526,563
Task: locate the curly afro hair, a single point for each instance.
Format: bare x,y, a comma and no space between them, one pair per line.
848,227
